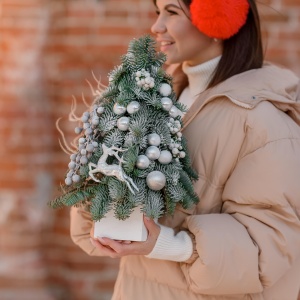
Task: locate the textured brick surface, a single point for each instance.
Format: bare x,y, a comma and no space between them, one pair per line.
48,49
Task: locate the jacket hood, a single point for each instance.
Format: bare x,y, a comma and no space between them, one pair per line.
270,83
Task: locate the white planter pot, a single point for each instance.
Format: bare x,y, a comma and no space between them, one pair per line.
131,229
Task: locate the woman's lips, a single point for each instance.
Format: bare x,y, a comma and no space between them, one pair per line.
165,45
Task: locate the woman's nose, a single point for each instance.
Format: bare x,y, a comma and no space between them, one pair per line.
158,26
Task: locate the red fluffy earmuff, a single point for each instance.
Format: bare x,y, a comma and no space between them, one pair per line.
219,18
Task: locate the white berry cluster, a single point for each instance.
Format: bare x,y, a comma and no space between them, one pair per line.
175,145
144,80
86,143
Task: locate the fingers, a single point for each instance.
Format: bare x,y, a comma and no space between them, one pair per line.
118,247
104,250
152,227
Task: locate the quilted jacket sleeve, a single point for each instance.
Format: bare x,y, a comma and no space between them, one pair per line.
80,228
256,238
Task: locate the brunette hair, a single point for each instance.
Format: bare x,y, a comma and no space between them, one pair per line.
241,52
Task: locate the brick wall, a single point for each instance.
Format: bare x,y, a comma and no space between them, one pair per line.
47,50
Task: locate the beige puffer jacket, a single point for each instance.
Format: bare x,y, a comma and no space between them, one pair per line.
244,141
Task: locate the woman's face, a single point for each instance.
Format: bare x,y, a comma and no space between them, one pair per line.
179,39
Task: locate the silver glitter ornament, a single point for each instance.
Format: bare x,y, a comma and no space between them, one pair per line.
133,107
123,123
119,109
156,180
142,162
152,153
166,103
165,90
174,112
165,157
154,139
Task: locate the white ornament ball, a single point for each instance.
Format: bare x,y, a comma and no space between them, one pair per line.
165,90
133,107
84,118
165,157
166,103
83,152
142,162
76,178
152,153
182,154
154,139
95,121
86,125
70,173
78,130
175,151
156,180
174,112
179,134
82,140
72,165
68,181
119,109
95,144
83,160
147,80
123,123
88,131
90,148
100,110
73,156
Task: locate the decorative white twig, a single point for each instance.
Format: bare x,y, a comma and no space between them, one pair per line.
64,146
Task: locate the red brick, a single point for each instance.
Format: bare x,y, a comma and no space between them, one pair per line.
69,38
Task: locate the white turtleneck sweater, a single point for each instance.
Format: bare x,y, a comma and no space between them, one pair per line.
179,247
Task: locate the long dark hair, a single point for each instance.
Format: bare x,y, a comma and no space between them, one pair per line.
243,51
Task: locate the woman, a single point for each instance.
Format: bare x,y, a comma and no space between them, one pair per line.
242,241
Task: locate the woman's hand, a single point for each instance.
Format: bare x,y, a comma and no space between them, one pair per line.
116,249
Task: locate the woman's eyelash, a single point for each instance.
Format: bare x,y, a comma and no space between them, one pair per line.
172,12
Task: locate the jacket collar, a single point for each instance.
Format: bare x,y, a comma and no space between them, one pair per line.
247,90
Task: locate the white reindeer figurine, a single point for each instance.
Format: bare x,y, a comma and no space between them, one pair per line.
111,170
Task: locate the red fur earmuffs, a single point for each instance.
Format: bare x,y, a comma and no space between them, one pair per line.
219,18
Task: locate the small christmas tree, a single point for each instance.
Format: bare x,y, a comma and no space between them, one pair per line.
130,149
